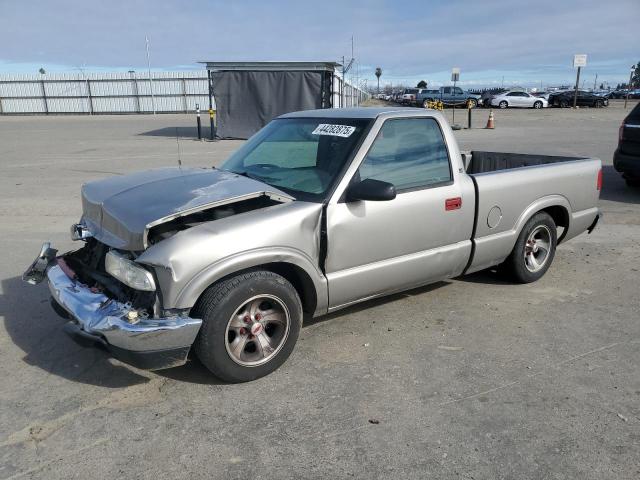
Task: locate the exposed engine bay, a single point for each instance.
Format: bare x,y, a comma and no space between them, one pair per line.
170,228
87,265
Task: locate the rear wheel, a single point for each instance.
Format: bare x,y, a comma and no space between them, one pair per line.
534,250
503,104
564,103
537,105
250,324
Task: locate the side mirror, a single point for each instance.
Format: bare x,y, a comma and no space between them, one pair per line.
370,189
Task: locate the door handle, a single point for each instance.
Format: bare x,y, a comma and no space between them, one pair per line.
453,203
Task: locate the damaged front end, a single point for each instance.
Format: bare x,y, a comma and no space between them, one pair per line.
104,311
111,298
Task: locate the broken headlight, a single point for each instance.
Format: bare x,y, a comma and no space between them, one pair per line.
129,272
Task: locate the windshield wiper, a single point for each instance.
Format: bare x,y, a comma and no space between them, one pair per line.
251,176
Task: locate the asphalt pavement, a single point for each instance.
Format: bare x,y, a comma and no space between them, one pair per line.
472,378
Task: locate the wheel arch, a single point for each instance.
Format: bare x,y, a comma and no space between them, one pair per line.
308,281
560,216
556,206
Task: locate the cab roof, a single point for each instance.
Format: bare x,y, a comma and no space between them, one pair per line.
359,112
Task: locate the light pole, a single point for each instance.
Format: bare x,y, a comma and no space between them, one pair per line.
626,98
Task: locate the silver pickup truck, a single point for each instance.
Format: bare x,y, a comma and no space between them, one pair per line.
317,211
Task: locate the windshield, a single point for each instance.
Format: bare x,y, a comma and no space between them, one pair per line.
302,156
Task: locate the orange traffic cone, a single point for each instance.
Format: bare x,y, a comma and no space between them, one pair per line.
490,120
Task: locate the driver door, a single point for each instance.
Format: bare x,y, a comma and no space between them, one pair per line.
422,235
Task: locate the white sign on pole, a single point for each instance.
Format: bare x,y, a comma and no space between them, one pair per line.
579,60
455,74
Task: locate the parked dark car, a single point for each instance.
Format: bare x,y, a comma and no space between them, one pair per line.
618,94
626,158
585,99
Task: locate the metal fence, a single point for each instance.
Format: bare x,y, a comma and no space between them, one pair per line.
101,93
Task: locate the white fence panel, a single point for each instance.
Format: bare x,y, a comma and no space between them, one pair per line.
122,92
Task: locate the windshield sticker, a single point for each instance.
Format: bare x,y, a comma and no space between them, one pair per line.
334,130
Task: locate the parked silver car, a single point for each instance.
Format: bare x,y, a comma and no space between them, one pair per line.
518,99
319,210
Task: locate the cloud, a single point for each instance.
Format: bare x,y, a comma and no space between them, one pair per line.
408,39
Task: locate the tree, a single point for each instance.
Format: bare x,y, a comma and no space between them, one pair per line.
378,74
635,78
422,84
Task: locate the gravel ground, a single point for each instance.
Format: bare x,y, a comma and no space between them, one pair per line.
470,378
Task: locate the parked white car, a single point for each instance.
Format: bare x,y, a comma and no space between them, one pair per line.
518,99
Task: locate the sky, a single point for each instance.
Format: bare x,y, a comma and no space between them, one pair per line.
516,42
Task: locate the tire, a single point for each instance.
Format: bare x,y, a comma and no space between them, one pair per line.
473,102
528,260
425,104
599,104
503,104
632,182
564,104
537,105
237,342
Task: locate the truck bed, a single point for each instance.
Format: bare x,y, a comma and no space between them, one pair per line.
510,187
484,162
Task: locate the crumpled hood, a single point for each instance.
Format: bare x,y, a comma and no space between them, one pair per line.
119,210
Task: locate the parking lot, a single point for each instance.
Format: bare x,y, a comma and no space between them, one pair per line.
472,378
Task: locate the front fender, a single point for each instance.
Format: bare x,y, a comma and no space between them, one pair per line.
189,295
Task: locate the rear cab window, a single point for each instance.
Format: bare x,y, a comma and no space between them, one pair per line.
409,153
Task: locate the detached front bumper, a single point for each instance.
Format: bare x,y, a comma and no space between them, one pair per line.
97,320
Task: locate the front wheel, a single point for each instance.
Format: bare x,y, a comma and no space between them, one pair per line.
537,105
503,104
534,250
564,104
250,324
473,103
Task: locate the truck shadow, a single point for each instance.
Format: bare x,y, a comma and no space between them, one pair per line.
36,329
180,132
195,372
615,189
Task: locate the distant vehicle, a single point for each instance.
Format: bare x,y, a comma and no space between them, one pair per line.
544,95
626,158
485,98
426,95
518,99
634,93
618,94
409,96
453,96
585,99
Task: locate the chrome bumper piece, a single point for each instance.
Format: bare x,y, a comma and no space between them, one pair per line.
151,343
99,315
